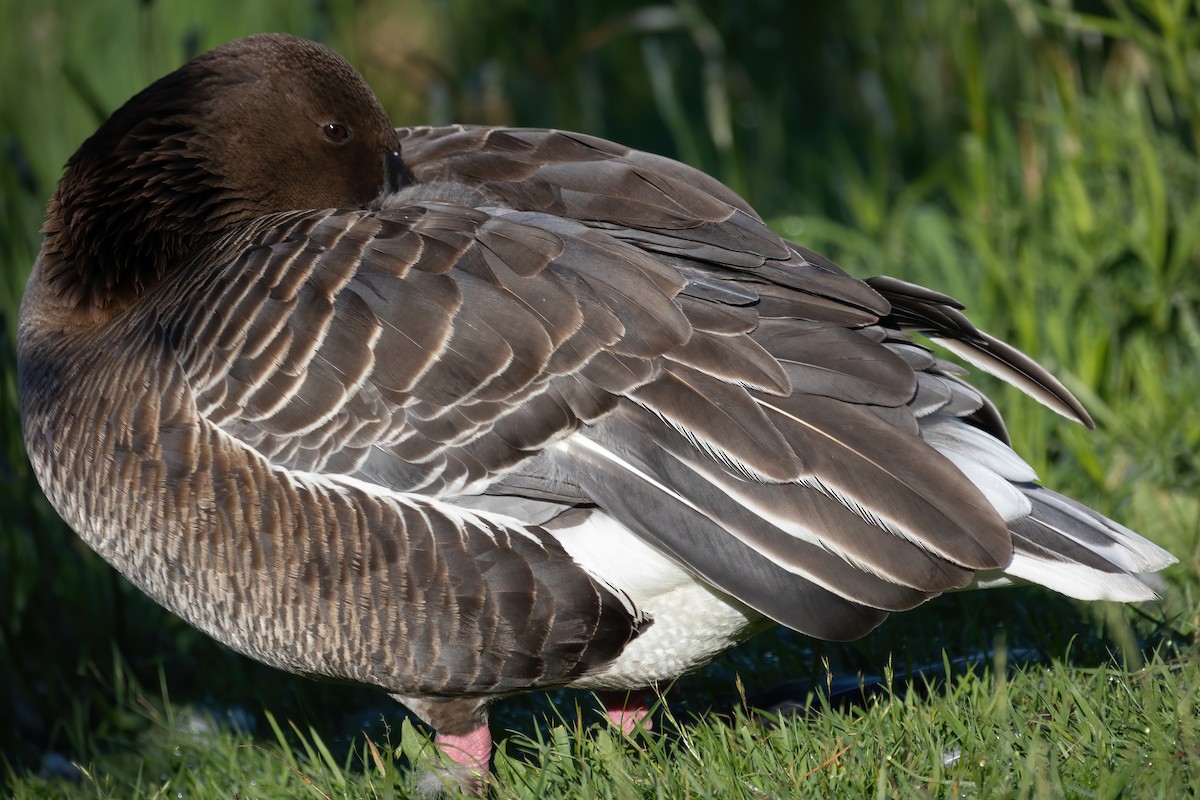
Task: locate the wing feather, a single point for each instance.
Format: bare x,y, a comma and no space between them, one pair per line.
938,316
557,318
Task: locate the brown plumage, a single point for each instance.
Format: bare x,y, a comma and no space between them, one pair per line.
462,412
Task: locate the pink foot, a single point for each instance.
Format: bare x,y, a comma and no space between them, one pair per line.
471,752
628,710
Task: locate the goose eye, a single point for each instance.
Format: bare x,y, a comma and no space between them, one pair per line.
336,132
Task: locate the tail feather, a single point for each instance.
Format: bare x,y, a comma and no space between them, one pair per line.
1057,542
1071,549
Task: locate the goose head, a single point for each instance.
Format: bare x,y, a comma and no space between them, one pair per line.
266,124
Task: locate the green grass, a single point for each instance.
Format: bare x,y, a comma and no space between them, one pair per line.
1038,160
1031,732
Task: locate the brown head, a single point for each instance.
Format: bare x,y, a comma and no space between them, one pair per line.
264,124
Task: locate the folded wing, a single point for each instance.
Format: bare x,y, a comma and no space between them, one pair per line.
547,320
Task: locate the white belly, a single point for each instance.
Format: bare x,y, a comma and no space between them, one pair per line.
692,623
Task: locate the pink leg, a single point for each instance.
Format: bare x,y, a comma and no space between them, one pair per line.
628,710
471,751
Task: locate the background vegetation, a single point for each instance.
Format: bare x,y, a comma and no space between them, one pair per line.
1038,159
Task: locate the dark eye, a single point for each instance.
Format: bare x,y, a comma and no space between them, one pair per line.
336,132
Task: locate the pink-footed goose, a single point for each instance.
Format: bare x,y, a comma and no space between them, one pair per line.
462,412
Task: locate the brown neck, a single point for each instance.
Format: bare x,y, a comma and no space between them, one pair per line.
137,198
110,239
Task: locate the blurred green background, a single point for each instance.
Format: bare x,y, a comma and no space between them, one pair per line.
1037,159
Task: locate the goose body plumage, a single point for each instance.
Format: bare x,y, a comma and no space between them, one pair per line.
460,412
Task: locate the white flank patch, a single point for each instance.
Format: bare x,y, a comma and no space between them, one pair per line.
691,623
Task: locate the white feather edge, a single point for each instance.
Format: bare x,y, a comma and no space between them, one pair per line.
991,465
1127,549
999,369
794,568
1072,580
986,461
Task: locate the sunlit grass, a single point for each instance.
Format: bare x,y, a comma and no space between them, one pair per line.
1046,731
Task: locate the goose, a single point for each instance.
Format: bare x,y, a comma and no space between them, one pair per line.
463,412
